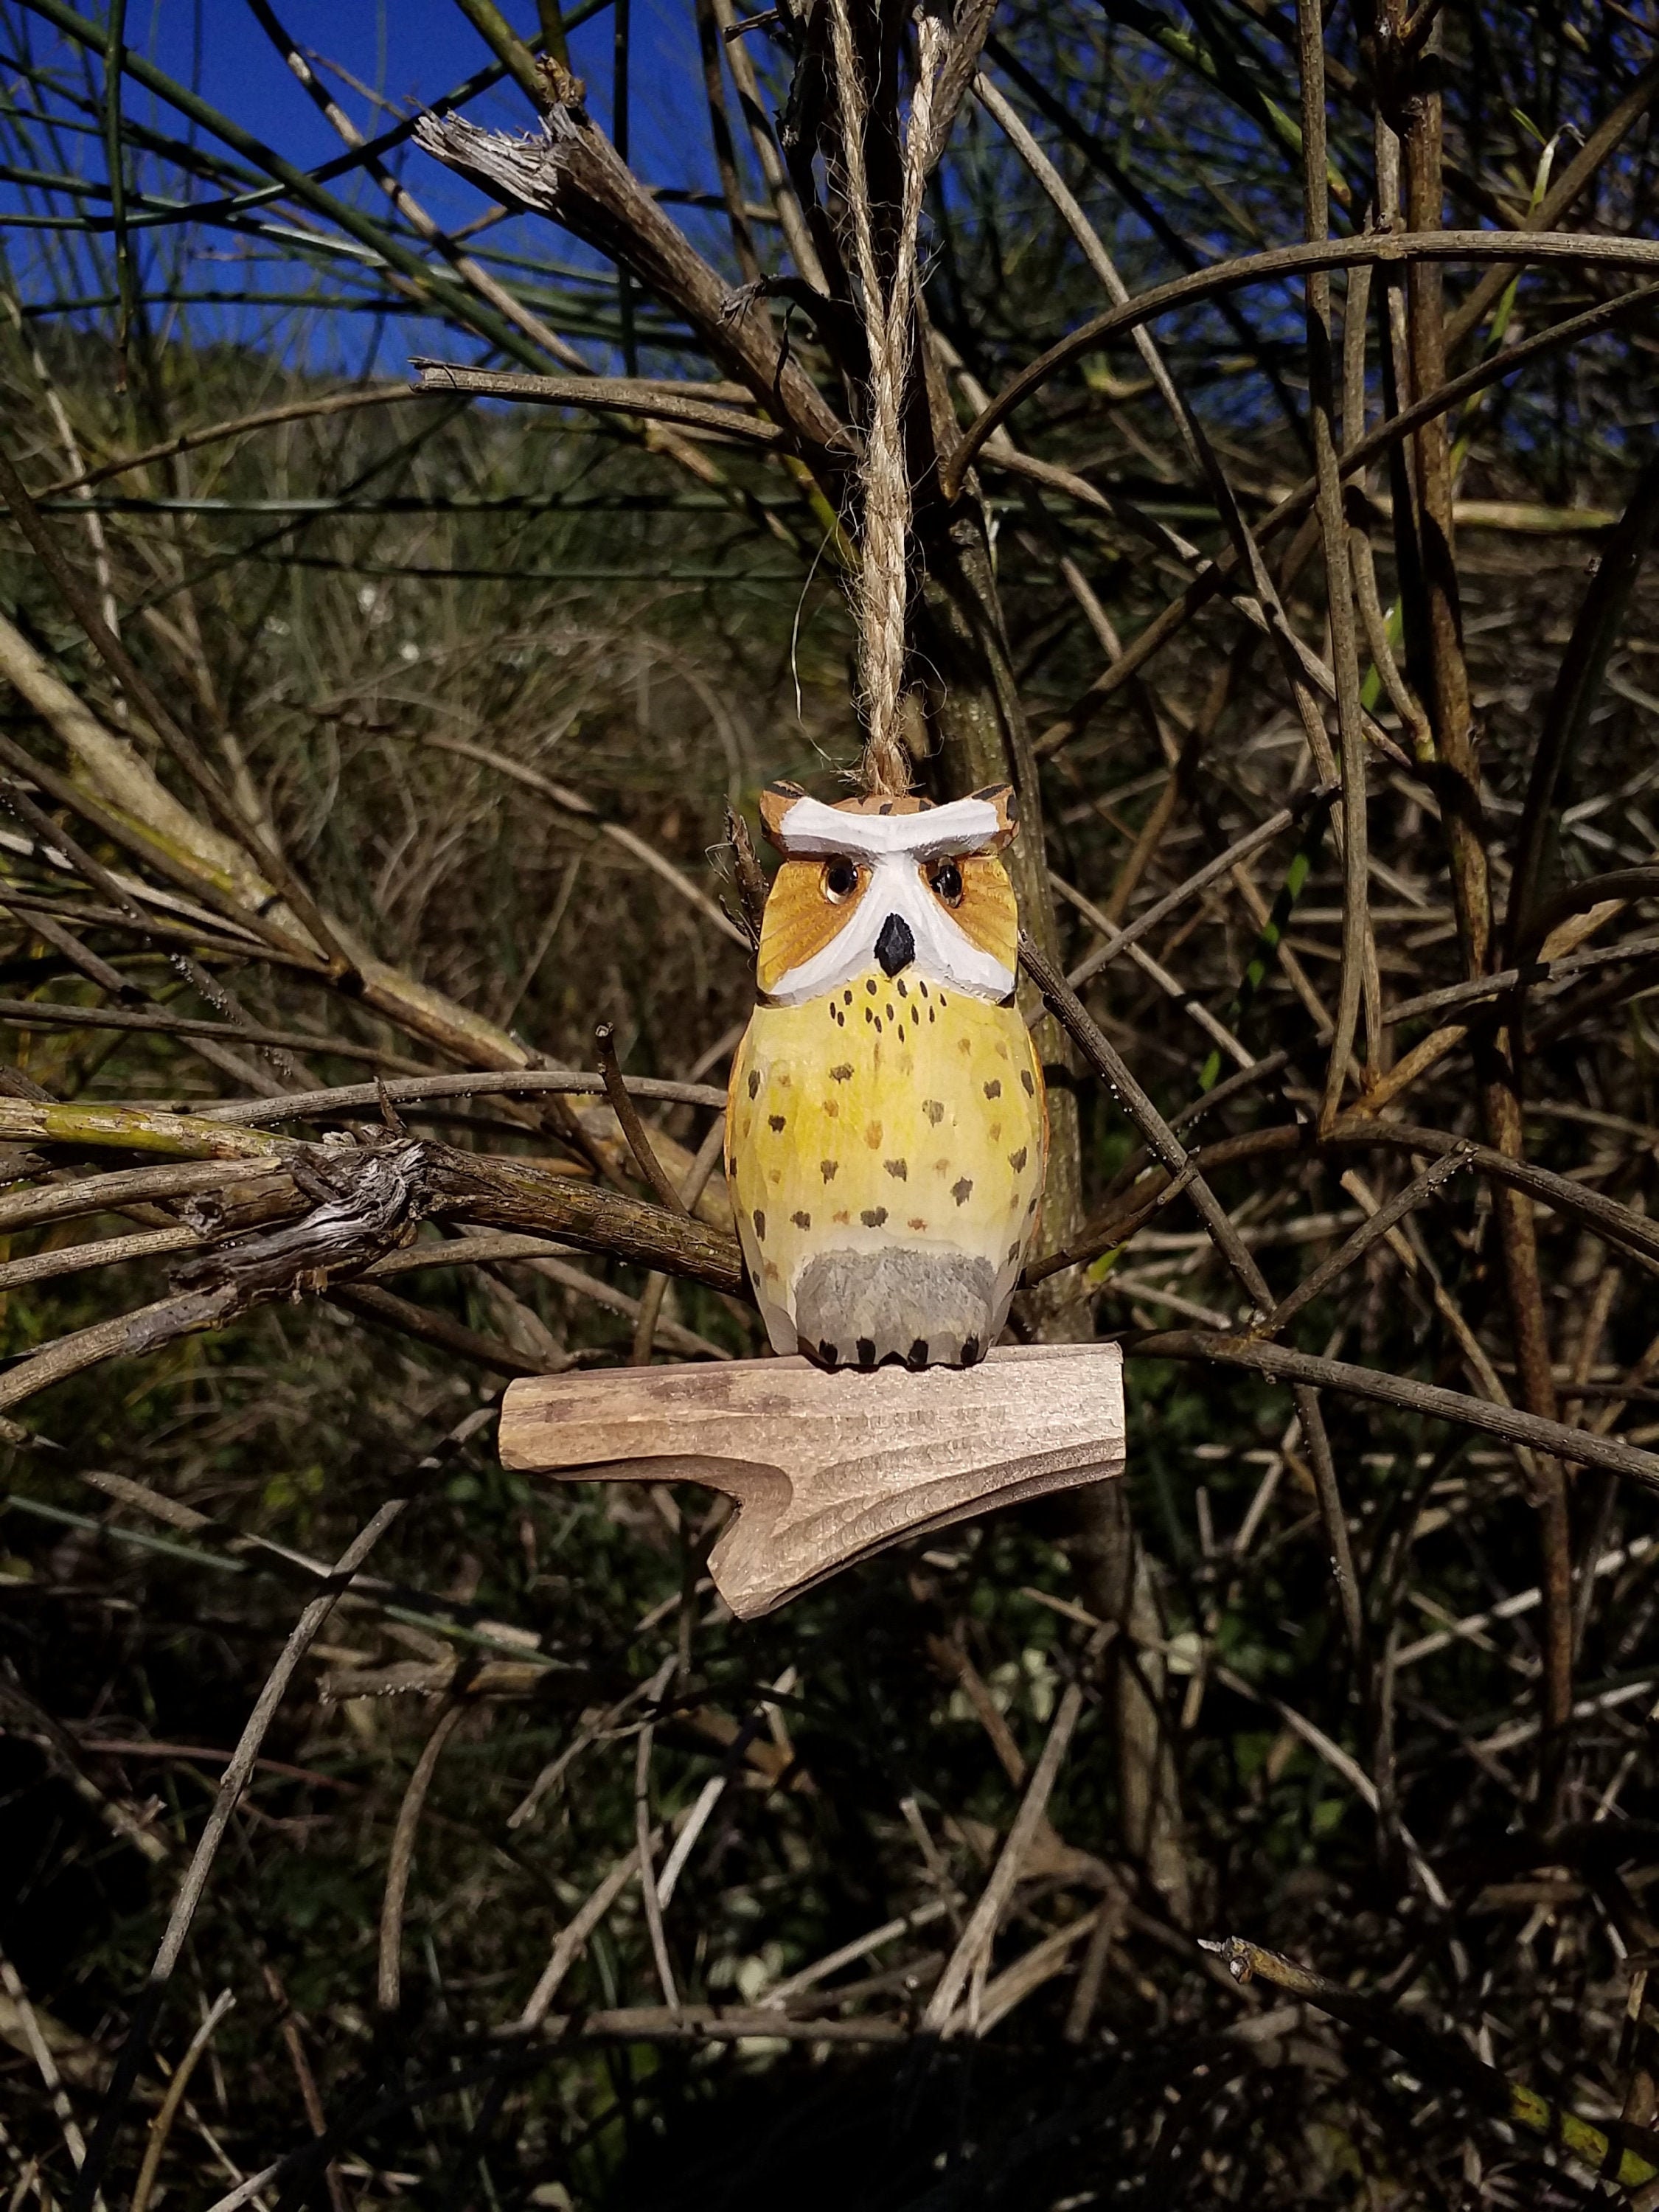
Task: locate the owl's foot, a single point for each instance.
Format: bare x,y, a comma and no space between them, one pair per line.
863,1355
906,1306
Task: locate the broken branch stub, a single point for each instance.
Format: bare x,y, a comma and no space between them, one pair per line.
829,1468
366,1204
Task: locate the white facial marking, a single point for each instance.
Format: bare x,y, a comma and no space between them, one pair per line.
894,847
966,825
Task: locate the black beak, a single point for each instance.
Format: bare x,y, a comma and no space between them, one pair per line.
895,948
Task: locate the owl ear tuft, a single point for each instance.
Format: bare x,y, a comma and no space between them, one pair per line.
1002,797
775,802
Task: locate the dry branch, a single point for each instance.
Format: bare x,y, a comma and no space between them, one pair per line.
234,1782
570,172
1385,250
617,395
1630,2156
1427,1399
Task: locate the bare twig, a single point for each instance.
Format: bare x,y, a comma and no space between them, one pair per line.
161,2126
1223,864
142,696
40,2051
642,1831
400,1859
1427,1399
650,1306
633,1128
1358,951
1368,1234
234,1782
980,1933
294,2043
1631,2155
616,395
1381,250
573,1938
1354,461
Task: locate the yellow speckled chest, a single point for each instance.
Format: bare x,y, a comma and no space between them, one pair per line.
894,1132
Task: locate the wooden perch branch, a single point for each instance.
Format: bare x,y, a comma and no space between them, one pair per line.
827,1468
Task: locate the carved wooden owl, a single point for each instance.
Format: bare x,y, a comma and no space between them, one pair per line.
886,1130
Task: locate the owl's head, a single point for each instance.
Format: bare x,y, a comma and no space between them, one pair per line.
893,884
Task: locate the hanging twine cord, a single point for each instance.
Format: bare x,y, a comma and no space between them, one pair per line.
883,584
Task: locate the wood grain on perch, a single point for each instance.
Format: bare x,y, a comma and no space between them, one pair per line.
825,1469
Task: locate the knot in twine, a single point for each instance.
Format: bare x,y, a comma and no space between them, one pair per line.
883,590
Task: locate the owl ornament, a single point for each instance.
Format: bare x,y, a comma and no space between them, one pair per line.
886,1129
886,1136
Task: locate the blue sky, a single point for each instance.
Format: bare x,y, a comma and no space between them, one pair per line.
379,59
417,51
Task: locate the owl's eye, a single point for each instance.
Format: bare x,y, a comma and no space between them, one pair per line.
945,881
840,880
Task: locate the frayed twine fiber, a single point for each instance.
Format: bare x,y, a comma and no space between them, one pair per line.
883,584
